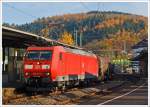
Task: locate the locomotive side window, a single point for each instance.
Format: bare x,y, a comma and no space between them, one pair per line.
44,55
60,56
39,55
33,55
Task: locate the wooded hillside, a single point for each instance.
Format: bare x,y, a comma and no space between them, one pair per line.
99,30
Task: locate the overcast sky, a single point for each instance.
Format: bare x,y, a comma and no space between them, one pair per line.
25,12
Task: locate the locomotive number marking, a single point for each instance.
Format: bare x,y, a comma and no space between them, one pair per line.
37,66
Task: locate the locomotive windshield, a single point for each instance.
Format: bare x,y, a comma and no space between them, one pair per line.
39,55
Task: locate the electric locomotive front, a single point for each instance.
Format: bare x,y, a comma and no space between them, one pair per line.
37,65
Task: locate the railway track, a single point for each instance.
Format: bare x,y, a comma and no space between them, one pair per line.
60,96
71,95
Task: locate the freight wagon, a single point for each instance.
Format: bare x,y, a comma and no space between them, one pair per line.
59,66
105,68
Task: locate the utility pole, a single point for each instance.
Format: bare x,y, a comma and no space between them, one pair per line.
75,37
81,39
124,46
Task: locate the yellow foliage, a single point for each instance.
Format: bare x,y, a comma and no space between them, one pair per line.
111,22
45,32
120,39
67,38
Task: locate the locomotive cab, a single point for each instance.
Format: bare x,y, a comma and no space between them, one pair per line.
37,65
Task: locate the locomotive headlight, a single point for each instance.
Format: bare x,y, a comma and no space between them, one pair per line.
45,66
26,73
28,66
47,73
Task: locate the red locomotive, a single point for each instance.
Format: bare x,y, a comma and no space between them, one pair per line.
59,66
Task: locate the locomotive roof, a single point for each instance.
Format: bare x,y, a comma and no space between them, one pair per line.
78,51
39,48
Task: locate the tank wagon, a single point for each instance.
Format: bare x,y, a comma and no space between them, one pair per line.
105,68
59,66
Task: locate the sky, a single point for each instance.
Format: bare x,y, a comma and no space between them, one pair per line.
26,12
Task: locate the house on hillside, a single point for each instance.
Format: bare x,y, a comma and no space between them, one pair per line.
140,53
139,47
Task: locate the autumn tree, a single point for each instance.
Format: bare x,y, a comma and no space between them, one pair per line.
67,38
45,32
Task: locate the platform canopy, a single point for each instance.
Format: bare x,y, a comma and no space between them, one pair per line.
21,39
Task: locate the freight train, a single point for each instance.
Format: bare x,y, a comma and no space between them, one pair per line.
59,66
